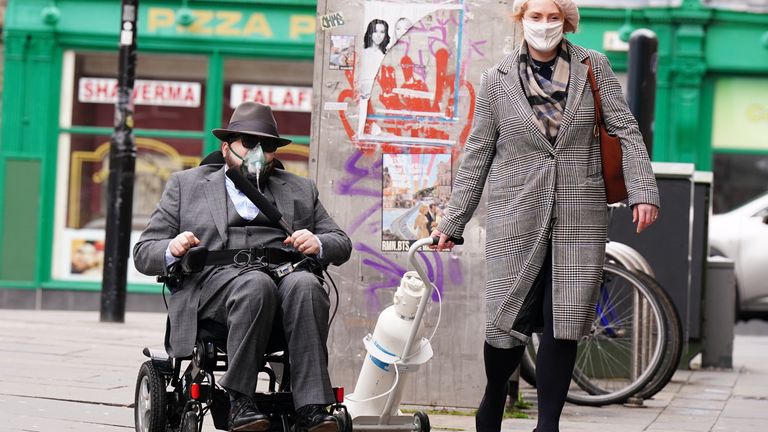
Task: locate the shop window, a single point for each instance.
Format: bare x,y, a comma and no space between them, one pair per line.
169,92
284,85
79,237
156,160
169,120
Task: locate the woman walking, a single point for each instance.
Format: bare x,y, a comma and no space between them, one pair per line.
533,141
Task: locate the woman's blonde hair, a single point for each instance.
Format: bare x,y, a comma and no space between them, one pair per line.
566,7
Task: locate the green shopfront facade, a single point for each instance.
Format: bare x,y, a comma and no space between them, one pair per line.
194,66
61,60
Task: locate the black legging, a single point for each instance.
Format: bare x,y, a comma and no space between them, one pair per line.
554,366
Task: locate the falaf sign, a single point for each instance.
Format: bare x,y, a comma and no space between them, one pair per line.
280,98
145,92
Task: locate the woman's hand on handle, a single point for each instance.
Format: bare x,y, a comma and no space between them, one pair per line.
644,215
443,243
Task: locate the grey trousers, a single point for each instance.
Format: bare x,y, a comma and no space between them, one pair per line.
248,304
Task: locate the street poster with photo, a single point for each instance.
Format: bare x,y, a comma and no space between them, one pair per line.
415,191
404,37
342,52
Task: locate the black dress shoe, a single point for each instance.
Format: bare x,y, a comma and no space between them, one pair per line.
314,418
245,417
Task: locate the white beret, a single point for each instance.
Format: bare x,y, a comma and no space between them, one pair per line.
569,8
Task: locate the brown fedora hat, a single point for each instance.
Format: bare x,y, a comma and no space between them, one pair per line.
252,118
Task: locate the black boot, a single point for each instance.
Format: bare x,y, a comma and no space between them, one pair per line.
245,417
314,418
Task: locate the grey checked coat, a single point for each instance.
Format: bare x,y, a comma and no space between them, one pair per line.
537,191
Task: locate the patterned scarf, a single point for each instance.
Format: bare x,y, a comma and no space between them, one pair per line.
547,98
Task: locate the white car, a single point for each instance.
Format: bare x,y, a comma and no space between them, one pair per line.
742,235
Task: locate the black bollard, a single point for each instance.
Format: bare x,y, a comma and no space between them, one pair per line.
641,81
122,164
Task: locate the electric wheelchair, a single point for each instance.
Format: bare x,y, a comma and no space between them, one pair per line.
175,394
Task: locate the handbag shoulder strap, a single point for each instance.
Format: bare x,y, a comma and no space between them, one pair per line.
595,93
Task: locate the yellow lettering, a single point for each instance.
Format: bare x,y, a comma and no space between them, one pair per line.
199,25
257,24
301,25
227,25
757,113
159,17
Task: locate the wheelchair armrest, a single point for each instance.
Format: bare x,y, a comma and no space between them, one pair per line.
194,260
160,359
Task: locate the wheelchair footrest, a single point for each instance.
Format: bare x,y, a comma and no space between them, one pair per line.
220,409
274,403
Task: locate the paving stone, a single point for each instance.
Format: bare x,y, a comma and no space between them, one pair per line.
699,404
746,408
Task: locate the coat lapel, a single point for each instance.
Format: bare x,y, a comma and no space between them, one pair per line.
514,90
577,82
283,198
216,198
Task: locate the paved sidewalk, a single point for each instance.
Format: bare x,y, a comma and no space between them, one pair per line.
66,371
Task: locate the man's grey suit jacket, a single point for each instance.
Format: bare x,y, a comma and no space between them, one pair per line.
195,200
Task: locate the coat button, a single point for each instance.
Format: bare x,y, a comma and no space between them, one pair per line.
552,157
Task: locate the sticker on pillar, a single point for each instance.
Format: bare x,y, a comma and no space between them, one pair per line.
415,191
332,20
342,53
408,71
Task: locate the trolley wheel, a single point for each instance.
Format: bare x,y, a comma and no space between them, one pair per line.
421,421
150,401
343,418
189,423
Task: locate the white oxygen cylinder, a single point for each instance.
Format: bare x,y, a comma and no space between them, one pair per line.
377,375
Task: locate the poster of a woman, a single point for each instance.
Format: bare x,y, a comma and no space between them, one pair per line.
384,23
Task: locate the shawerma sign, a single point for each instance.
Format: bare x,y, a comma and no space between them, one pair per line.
145,92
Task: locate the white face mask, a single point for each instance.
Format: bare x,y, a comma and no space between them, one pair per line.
543,36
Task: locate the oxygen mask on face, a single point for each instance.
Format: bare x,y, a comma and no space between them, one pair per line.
254,161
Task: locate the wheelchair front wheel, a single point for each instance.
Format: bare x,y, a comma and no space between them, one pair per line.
421,422
343,418
150,402
190,422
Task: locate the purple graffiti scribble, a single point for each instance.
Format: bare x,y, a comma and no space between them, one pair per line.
421,70
347,185
383,265
474,47
436,275
441,42
454,270
393,271
362,217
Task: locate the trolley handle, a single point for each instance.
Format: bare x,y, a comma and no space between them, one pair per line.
455,240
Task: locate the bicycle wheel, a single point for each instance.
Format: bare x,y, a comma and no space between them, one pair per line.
673,347
623,351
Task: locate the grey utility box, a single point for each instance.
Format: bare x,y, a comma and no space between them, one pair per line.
702,207
667,243
719,314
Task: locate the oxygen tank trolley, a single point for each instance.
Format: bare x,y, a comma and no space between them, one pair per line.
394,351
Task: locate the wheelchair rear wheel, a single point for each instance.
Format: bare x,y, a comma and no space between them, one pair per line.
150,403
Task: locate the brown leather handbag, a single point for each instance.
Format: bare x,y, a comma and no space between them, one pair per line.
610,149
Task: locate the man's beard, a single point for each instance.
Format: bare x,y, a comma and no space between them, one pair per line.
263,176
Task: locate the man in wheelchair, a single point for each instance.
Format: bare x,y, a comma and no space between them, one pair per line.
203,207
